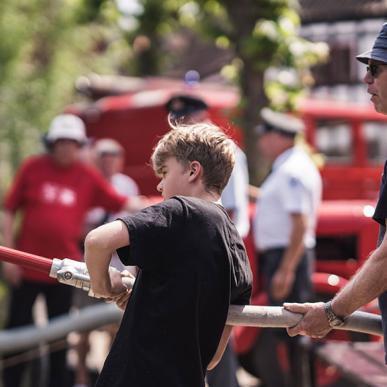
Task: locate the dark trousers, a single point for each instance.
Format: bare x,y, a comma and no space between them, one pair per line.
58,300
268,347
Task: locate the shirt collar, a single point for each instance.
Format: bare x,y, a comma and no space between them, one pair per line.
283,157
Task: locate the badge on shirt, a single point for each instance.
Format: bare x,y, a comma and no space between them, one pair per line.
294,182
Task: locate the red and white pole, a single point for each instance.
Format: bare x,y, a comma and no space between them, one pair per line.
65,270
29,261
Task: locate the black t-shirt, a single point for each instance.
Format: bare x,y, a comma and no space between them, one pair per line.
193,264
380,216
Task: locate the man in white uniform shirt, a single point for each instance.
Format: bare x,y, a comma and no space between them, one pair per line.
284,232
189,109
235,195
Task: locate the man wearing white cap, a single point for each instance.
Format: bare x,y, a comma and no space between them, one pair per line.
284,232
109,156
188,109
53,192
371,280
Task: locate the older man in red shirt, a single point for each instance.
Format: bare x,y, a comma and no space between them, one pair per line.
52,192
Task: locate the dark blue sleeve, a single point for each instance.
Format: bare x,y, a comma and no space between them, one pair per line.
152,231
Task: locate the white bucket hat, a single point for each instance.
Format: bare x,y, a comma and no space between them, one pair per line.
67,126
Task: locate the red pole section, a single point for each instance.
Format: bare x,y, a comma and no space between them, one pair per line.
29,261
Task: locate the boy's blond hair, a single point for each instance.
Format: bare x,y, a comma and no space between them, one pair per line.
203,142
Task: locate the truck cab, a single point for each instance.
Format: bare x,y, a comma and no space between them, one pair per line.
352,140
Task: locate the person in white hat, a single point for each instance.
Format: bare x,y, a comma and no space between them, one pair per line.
65,137
67,126
53,192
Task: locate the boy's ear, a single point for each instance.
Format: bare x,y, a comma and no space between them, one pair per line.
195,170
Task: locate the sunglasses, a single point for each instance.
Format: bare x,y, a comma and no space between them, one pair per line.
375,69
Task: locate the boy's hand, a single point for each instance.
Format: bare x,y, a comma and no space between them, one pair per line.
122,299
113,286
120,293
117,287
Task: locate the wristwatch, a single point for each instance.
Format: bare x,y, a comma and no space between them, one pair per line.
333,319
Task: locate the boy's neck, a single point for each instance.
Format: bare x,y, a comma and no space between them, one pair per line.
209,196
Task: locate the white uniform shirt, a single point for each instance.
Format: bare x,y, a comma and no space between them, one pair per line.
293,187
235,195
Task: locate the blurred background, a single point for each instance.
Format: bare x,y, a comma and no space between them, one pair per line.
275,50
60,53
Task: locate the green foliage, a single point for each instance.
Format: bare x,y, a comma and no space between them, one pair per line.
46,45
262,34
156,19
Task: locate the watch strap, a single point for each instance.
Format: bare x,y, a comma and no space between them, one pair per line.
333,319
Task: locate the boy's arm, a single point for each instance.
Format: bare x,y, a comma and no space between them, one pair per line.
221,347
100,244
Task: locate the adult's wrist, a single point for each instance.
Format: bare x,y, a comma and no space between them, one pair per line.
340,308
334,319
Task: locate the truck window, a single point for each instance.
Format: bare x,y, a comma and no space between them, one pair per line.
375,135
334,140
336,248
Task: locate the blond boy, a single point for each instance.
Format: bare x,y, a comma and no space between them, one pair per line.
192,265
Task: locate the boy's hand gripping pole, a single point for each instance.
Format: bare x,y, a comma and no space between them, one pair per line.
75,273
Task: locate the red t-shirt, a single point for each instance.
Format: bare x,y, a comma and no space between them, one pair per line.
53,201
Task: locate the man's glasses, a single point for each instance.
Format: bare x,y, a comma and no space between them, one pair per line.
374,69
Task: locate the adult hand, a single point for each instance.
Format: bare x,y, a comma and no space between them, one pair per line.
12,273
314,323
281,284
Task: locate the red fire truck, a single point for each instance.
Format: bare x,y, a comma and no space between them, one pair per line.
349,137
